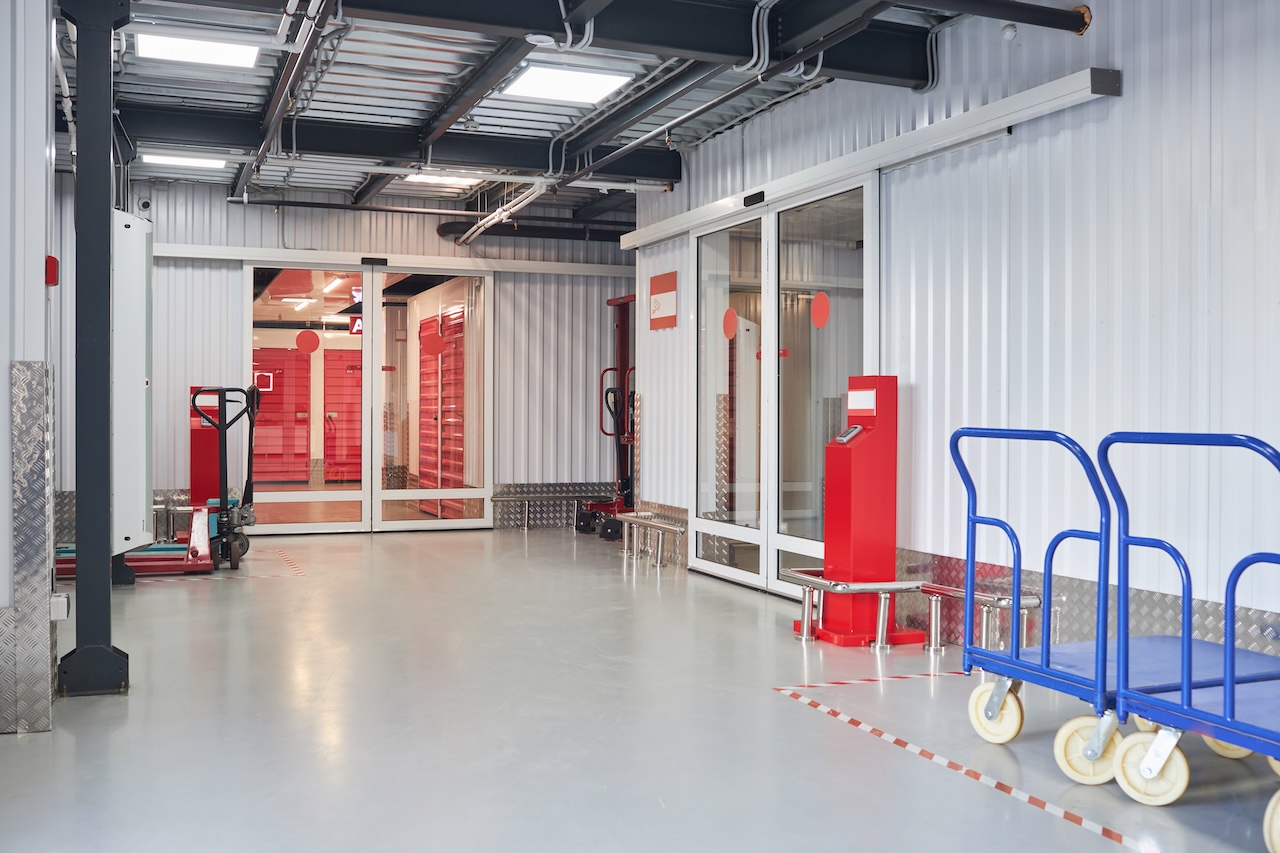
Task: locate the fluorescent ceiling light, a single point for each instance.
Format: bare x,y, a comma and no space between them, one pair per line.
196,50
545,83
337,318
193,162
442,180
299,299
331,285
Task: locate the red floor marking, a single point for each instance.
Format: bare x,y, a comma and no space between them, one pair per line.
977,776
288,561
876,680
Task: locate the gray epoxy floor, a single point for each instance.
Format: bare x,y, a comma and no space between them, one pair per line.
499,691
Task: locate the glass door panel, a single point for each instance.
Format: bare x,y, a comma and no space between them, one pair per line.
820,344
308,361
729,459
433,400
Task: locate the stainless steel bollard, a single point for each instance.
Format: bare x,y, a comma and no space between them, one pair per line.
882,624
933,644
805,634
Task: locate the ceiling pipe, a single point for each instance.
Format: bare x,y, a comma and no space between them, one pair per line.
419,211
847,31
1075,20
503,213
578,232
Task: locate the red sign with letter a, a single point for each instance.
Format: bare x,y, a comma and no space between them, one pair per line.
357,326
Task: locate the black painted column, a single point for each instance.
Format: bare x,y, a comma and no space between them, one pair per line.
95,666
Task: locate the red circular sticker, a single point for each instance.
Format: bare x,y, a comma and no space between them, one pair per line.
307,341
820,310
730,323
433,344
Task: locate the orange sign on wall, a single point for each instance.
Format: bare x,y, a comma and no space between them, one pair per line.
662,301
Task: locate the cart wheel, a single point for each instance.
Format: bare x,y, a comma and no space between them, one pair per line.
1160,791
1226,750
233,547
1275,768
243,539
1068,751
1143,724
1006,725
1271,824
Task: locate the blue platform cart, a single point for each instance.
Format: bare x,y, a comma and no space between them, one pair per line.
1237,710
1085,746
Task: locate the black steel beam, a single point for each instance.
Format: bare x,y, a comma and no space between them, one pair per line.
796,24
95,666
581,11
692,29
1075,20
340,139
282,94
488,74
603,205
638,109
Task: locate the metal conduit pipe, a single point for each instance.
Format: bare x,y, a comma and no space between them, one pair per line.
419,211
503,213
577,232
1075,20
847,31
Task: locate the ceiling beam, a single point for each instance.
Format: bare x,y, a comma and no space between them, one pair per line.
604,204
215,129
796,24
693,29
492,71
581,11
636,110
282,94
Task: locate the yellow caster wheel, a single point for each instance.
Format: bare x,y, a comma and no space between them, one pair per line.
1143,724
1271,824
1226,750
1008,722
1068,751
1275,767
1163,789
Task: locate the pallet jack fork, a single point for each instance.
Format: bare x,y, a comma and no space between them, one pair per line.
227,539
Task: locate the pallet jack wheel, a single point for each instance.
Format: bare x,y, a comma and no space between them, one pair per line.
233,546
1008,722
243,539
1227,750
1068,751
1160,791
1271,824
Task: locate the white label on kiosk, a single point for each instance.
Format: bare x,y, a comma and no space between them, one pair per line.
863,403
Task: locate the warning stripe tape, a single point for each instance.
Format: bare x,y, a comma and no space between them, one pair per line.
876,680
288,561
977,776
194,578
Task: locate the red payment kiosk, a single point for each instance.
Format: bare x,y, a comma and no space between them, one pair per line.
861,503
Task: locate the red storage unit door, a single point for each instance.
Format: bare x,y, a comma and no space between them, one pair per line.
343,413
441,413
282,435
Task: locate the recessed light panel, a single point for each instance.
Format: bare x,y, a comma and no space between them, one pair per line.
545,83
192,162
196,50
442,180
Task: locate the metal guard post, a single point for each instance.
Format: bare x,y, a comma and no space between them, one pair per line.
1125,541
1101,536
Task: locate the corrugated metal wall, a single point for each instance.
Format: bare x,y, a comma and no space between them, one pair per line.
554,336
553,332
1103,268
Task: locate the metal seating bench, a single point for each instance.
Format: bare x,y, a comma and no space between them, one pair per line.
646,520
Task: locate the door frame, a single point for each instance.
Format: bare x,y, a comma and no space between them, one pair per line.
767,537
371,494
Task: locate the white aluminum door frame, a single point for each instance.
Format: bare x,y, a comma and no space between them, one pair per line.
767,537
374,277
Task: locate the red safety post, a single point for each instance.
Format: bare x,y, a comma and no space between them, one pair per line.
205,452
861,504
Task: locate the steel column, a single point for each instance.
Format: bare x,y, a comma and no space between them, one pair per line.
94,666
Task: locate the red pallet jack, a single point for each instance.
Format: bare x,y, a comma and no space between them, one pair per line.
217,523
617,402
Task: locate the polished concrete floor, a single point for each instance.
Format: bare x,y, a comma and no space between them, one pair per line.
504,691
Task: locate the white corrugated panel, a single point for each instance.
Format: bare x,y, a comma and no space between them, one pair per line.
554,336
666,373
1104,268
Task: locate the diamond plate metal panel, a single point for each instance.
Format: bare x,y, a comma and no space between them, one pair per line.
26,638
509,515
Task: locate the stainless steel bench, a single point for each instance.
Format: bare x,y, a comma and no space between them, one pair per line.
987,603
632,521
811,581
